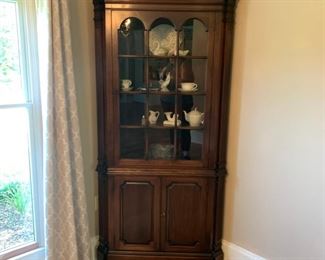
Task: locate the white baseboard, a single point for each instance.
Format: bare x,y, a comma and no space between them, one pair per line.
231,251
234,252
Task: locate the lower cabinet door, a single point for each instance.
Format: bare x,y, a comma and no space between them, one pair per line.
187,206
136,218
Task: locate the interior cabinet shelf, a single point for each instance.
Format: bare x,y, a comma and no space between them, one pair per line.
132,92
160,126
191,93
134,56
201,127
192,57
132,126
162,93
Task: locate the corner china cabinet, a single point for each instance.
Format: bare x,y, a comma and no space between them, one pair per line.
163,72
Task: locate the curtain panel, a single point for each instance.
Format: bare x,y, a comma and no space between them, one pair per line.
67,234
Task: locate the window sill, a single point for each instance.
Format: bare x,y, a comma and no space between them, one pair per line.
26,252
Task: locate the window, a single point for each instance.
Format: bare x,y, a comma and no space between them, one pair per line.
21,217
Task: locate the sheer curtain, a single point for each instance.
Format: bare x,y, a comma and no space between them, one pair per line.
67,234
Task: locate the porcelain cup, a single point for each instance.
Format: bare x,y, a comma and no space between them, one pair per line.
126,83
189,86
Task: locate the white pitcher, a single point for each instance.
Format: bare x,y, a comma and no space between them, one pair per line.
153,117
126,83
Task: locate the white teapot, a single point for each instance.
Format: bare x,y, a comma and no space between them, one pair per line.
153,117
194,117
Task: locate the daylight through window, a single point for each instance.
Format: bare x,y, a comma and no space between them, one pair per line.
20,128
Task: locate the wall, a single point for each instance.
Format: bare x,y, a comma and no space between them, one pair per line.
275,188
82,30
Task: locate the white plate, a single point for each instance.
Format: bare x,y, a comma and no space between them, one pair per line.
182,90
166,35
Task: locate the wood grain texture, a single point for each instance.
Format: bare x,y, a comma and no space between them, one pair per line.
184,214
136,213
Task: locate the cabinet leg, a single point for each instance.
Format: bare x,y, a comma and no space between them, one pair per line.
102,250
217,254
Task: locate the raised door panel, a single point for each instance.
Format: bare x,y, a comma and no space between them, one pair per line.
187,214
136,213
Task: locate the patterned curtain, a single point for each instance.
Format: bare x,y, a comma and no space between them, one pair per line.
67,234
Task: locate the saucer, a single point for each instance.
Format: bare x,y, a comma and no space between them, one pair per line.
142,89
126,89
182,90
172,123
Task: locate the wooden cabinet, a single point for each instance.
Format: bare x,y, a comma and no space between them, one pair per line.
162,70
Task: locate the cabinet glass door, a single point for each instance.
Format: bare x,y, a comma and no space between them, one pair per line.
162,92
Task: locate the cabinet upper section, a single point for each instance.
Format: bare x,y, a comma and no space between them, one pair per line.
160,80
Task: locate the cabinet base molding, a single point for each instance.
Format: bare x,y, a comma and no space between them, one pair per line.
102,250
112,256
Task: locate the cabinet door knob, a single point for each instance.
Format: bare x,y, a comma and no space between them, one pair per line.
163,214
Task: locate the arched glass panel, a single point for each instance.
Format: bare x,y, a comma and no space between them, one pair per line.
162,38
131,37
131,42
193,52
192,80
193,38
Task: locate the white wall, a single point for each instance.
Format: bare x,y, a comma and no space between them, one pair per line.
84,62
275,188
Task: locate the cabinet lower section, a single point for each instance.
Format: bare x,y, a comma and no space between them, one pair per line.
161,217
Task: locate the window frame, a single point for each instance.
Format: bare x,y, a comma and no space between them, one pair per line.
29,67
